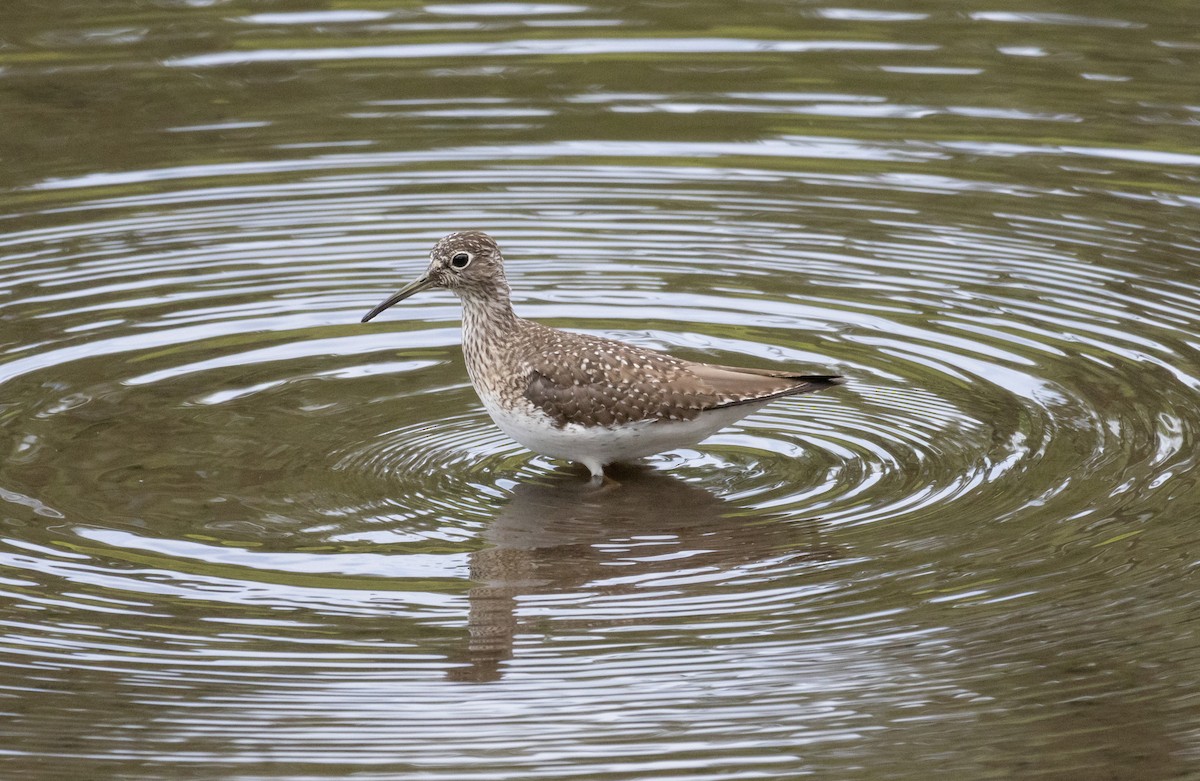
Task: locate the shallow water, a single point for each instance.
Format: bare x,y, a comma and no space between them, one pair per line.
244,536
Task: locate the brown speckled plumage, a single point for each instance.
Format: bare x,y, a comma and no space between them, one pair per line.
526,369
578,378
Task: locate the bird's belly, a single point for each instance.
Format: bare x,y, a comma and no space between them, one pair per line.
606,444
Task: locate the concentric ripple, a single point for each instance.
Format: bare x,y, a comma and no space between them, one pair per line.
963,385
988,385
244,534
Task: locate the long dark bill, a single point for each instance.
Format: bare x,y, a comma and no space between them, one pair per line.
400,295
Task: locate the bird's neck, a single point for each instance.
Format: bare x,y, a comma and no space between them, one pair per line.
488,325
488,310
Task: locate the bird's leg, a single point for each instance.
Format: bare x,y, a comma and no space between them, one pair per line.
599,480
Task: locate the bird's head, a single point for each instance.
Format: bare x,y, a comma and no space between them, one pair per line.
467,263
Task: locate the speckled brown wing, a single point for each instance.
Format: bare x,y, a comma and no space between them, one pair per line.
736,385
598,381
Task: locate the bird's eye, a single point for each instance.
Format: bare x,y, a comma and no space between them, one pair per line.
460,260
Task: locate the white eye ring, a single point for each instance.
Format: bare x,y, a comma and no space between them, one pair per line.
460,260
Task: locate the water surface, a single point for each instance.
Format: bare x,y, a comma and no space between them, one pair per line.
244,536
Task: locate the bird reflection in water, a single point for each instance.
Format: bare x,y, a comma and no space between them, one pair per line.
558,535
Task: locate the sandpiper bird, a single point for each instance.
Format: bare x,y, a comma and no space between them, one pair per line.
580,397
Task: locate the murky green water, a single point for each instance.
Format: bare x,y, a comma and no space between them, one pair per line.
243,536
